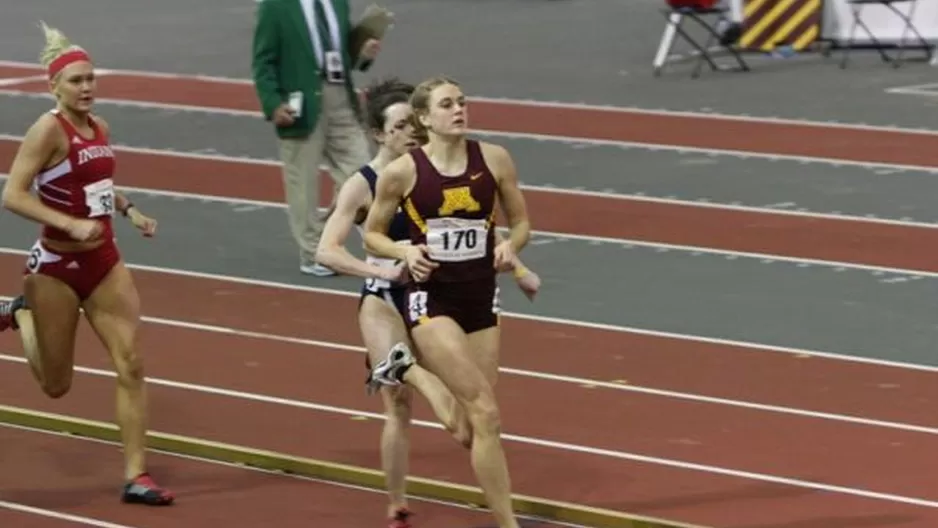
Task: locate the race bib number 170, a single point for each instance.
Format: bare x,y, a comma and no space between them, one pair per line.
456,239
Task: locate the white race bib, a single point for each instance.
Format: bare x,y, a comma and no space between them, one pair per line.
417,306
456,239
99,197
374,283
38,255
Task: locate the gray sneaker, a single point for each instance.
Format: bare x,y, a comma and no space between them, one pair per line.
8,312
316,269
391,369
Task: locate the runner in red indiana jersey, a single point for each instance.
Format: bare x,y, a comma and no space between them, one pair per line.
66,157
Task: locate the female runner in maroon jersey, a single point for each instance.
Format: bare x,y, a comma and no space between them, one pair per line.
449,188
76,264
383,301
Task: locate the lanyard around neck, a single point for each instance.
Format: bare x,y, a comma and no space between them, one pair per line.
331,20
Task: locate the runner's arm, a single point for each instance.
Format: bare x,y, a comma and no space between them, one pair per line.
122,204
332,252
510,197
518,267
392,183
38,146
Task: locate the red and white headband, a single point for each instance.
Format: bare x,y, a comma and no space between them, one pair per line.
63,60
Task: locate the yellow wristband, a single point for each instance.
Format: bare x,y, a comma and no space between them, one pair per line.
520,271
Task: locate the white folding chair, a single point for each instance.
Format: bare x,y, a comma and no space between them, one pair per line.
857,6
677,15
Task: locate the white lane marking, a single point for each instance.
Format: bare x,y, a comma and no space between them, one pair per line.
546,376
699,203
748,345
561,446
545,104
576,140
87,521
256,469
11,81
626,242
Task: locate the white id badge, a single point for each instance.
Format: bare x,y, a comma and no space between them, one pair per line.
296,103
334,71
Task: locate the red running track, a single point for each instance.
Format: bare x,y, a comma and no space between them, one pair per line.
893,461
76,477
741,439
854,241
854,144
814,383
12,73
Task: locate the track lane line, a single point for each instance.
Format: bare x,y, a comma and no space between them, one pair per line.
558,138
52,514
714,116
559,378
257,469
803,352
572,380
540,442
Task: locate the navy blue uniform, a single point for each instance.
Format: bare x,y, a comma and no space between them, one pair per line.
394,293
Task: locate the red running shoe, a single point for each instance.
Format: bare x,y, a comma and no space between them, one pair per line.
400,519
143,490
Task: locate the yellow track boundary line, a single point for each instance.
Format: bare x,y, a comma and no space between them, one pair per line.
330,471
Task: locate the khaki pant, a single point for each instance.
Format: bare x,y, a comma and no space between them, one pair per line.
339,138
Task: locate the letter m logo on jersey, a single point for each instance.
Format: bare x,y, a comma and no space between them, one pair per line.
458,199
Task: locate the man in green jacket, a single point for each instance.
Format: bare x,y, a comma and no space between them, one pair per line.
302,65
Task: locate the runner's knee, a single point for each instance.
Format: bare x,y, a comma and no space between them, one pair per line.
483,415
399,406
129,368
57,387
56,376
463,433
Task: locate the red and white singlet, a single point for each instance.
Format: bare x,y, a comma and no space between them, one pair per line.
82,184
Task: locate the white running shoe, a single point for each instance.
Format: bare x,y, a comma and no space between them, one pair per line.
390,371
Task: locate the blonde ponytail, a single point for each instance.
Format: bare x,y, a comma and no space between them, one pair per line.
56,44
